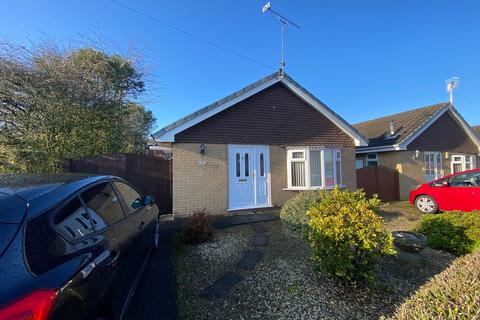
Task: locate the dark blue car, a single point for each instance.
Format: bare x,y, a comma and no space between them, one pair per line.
71,246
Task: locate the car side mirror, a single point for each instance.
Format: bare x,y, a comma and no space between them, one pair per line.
446,184
148,200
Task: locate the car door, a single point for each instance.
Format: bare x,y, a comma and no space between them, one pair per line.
441,193
464,191
140,217
117,262
83,293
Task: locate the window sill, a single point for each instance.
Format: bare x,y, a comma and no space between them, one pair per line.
312,188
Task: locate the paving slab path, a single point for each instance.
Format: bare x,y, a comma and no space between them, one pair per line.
251,257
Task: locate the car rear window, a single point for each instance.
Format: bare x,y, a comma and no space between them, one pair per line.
72,221
103,205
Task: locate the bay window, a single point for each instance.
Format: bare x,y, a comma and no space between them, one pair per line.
313,168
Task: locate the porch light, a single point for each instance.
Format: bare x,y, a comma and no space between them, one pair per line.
203,149
416,154
447,155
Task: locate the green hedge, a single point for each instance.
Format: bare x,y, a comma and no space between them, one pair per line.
347,237
294,211
455,232
452,294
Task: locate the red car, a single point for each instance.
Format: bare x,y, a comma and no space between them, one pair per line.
459,191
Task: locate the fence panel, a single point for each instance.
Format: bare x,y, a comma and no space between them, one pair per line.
151,175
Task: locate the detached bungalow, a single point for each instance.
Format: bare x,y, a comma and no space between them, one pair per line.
421,145
257,147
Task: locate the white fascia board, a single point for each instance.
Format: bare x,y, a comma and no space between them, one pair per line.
380,149
359,141
169,136
425,126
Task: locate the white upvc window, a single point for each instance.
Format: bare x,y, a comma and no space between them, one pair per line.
372,159
314,168
463,162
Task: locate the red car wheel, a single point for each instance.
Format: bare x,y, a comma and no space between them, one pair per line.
426,204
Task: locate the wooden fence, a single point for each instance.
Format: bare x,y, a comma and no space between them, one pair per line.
151,175
380,180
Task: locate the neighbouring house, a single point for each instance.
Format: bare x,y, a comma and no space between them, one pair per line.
476,129
257,147
421,145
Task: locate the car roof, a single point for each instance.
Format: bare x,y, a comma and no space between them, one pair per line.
31,186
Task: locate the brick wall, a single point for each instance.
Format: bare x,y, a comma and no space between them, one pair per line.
349,174
196,185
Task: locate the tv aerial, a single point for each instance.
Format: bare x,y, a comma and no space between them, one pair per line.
452,84
283,21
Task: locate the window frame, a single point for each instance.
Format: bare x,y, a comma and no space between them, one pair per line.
375,159
306,160
463,162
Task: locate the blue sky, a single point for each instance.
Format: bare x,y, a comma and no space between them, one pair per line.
362,58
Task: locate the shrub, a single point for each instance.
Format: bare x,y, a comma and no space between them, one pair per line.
455,232
198,228
347,237
294,211
452,294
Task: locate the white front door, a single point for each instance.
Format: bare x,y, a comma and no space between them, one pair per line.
432,166
249,176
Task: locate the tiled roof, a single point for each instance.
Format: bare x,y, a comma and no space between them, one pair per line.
476,129
276,75
214,105
407,123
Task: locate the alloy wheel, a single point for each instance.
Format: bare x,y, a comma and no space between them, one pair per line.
426,205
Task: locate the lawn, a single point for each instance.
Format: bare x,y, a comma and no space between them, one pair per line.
282,284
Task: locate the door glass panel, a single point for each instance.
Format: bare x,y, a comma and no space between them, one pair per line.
103,205
247,169
131,199
315,168
237,165
329,170
72,221
262,165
